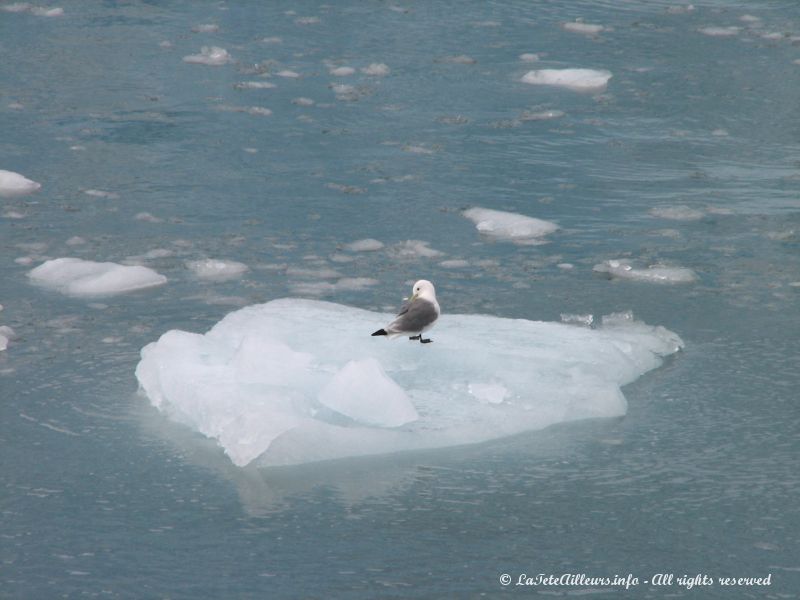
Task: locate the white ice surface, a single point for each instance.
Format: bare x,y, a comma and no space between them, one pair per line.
579,80
620,269
78,277
13,185
581,27
267,381
509,226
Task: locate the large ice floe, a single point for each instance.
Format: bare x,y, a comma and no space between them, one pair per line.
295,381
508,226
78,277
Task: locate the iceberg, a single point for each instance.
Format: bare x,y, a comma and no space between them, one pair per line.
510,226
78,277
297,381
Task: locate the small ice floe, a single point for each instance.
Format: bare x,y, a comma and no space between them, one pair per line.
213,56
250,110
411,249
720,31
456,263
307,20
346,189
619,269
579,26
579,80
365,245
206,28
101,194
288,74
529,57
680,9
376,70
541,115
254,85
272,40
508,226
452,120
148,218
576,319
165,44
417,149
327,288
76,240
16,106
77,277
342,71
7,334
14,185
39,11
460,59
677,213
14,214
345,92
750,19
211,269
301,101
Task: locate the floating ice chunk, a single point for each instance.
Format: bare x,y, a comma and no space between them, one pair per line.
579,80
581,27
39,11
209,55
677,213
254,85
307,20
582,320
77,277
263,381
720,31
342,71
618,269
455,263
101,194
13,185
376,70
301,101
288,74
680,9
461,59
364,392
541,115
216,270
76,240
206,28
529,57
14,214
365,245
272,40
509,226
411,249
148,218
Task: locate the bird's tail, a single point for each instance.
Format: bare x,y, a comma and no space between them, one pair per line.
380,332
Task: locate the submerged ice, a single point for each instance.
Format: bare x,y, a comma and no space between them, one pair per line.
296,381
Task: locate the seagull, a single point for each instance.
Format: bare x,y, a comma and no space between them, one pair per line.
418,314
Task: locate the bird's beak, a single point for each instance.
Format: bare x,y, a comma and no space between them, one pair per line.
413,297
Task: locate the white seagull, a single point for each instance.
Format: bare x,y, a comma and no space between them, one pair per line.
418,314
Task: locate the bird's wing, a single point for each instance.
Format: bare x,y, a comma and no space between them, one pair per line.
414,317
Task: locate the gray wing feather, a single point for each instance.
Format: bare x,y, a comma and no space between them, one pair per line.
413,317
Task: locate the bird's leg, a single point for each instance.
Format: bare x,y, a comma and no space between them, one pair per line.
427,341
416,337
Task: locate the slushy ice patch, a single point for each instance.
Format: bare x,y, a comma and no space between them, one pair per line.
296,381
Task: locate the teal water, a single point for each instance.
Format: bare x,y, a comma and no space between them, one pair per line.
102,496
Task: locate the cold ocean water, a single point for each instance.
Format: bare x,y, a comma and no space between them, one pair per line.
671,168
